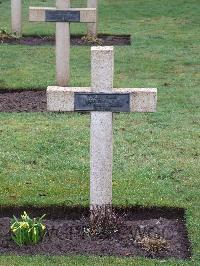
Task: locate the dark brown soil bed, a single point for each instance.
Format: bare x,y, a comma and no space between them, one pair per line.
66,233
23,101
102,39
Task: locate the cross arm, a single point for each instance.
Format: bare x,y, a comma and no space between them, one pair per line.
63,98
49,14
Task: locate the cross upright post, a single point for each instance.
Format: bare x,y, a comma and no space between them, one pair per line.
16,17
101,137
62,47
63,15
92,27
101,100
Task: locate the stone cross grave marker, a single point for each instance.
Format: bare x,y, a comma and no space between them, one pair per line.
101,100
16,17
63,15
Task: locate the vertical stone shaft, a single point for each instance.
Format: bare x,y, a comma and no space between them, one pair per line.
101,143
92,27
62,47
16,17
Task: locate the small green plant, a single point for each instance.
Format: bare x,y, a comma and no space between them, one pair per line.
27,231
3,30
4,34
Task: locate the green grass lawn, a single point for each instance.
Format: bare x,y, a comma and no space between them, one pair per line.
156,156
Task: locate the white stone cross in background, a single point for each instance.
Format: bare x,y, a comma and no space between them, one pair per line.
101,100
63,15
16,17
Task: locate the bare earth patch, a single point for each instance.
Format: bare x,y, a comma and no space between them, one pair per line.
149,232
23,101
102,39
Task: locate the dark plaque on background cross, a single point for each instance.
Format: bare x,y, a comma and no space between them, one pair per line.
62,16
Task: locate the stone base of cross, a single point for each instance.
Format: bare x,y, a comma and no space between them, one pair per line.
101,100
